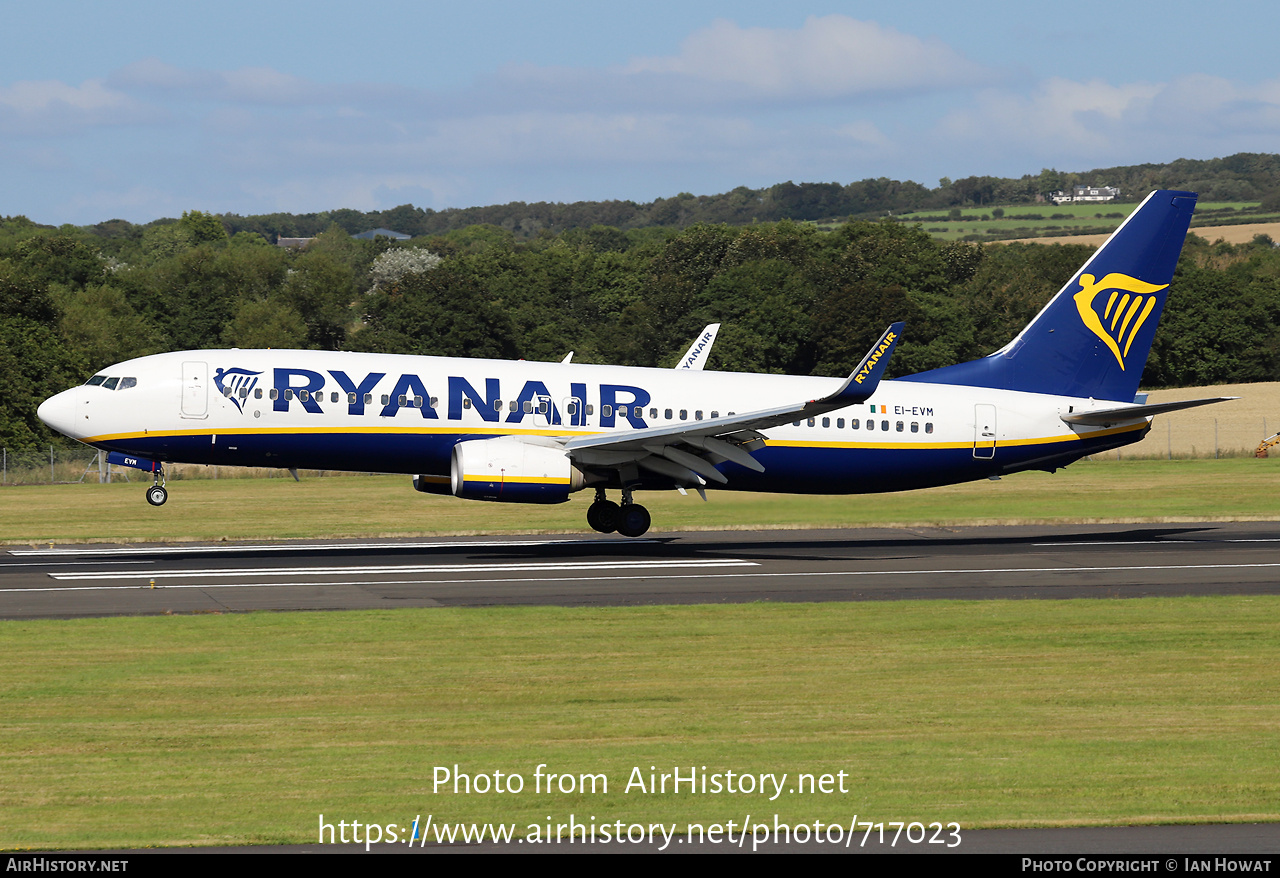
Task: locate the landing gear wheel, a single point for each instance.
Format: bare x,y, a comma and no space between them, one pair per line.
156,495
634,520
603,516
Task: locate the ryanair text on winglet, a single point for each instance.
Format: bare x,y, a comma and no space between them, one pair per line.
885,344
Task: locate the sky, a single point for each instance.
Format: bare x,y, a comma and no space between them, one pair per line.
142,110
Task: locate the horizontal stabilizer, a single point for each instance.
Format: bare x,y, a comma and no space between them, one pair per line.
1107,417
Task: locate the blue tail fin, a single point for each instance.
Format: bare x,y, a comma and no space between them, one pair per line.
1093,337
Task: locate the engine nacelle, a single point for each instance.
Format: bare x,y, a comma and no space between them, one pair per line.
512,469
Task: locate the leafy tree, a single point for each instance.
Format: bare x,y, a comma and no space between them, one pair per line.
34,363
266,323
102,327
440,313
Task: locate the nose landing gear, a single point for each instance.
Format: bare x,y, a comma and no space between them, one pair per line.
156,494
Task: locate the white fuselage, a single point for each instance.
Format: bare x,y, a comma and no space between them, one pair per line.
395,413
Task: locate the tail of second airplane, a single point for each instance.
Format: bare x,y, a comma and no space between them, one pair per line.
1093,338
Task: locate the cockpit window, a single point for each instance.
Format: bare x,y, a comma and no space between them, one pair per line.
110,383
96,380
126,383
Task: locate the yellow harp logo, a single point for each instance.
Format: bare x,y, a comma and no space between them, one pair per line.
1130,303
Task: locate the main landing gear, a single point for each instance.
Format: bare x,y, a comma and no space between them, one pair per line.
156,494
630,519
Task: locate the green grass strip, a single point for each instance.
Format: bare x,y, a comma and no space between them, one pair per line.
243,729
246,509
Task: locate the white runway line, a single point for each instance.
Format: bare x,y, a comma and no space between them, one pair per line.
654,577
398,569
307,547
1069,543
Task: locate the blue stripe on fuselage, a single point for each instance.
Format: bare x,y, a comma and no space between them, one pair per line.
790,468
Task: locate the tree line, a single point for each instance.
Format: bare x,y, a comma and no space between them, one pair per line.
792,298
1241,177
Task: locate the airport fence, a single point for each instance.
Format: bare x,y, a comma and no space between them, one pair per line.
1175,438
64,465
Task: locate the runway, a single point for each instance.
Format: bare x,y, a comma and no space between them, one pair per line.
979,563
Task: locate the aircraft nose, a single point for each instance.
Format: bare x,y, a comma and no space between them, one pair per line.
59,411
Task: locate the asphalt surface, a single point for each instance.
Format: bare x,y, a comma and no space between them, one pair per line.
977,563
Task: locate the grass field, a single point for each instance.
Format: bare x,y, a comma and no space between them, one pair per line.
244,729
1080,223
239,509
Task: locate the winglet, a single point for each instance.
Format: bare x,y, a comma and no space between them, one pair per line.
700,350
863,382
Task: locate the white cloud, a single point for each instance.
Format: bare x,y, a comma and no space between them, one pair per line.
49,107
829,57
1064,121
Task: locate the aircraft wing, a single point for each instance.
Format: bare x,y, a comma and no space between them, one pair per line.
729,438
1109,417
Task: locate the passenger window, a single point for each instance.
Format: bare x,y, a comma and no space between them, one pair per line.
304,395
466,402
684,414
243,394
653,414
542,406
514,406
795,423
639,412
606,411
667,414
368,399
528,406
386,398
915,426
884,425
571,408
288,394
715,415
257,394
435,401
591,409
928,427
351,397
811,422
826,422
111,383
333,397
400,400
417,402
855,423
899,427
697,416
126,383
497,405
839,423
275,394
871,425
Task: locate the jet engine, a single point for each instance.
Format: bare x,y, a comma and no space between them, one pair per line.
513,469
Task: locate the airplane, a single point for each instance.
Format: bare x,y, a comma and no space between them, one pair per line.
527,432
695,357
